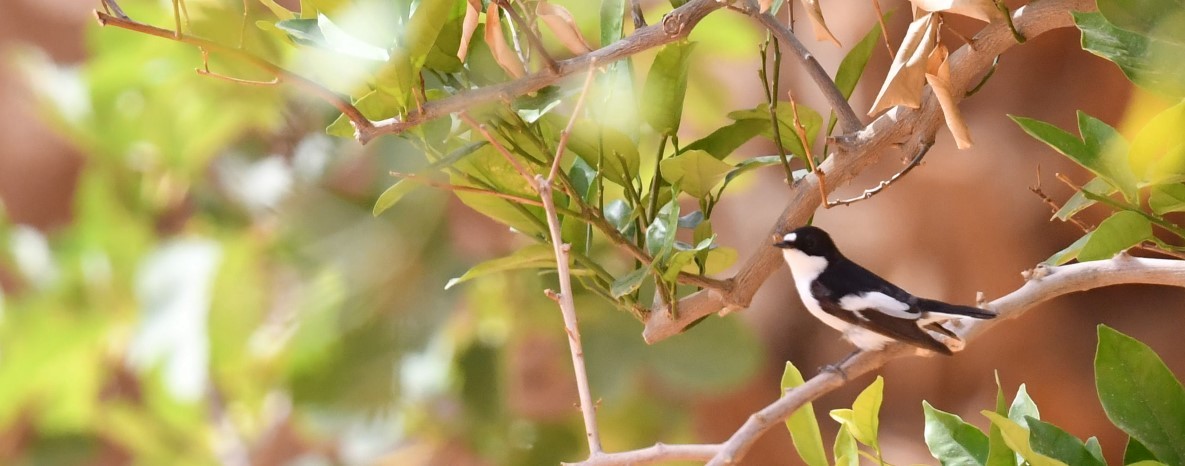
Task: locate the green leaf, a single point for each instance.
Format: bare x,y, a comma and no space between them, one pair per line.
1148,62
1158,151
999,454
374,105
322,33
619,214
1140,395
660,235
1165,198
952,441
802,424
847,453
1101,151
1079,201
1118,232
392,195
695,171
1017,438
853,64
1157,18
809,119
535,256
1050,440
591,141
1023,408
863,419
1136,452
612,15
423,29
726,139
629,282
1070,253
279,11
692,220
666,85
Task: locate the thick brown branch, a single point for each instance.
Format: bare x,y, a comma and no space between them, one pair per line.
362,125
900,125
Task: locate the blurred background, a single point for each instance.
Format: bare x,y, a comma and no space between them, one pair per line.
191,274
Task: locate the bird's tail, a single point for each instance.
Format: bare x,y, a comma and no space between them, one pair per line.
939,307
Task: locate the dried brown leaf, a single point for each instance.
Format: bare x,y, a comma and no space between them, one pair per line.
765,5
983,10
503,54
468,27
561,23
938,75
814,11
907,75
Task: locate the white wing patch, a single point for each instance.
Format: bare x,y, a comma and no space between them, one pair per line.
877,301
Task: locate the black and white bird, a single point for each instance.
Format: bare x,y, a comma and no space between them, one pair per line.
867,309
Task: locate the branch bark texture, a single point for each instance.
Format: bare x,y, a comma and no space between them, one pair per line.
910,128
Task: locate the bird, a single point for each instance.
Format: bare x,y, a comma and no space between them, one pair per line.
868,310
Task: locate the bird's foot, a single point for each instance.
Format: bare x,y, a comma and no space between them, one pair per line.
834,368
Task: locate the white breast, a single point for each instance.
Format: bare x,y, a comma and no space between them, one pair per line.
805,270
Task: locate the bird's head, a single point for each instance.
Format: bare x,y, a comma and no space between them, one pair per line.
809,240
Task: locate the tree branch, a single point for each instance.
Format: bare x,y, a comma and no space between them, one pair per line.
653,454
855,151
1043,284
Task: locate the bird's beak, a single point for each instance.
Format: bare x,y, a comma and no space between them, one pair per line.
783,244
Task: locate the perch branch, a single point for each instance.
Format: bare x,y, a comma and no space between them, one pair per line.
1042,284
856,151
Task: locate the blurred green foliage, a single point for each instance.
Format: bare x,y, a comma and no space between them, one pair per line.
224,295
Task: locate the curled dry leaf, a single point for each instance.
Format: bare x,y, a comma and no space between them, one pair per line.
907,75
938,75
472,10
814,11
983,10
505,57
764,5
561,23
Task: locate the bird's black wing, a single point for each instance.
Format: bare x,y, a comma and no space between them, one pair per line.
905,330
846,278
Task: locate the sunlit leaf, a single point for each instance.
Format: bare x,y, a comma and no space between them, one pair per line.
1017,438
695,171
1158,150
999,453
863,420
846,451
1140,395
803,426
1101,150
392,195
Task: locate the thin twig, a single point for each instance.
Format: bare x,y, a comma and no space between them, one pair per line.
565,299
563,143
361,124
868,193
880,18
1036,189
848,121
771,96
532,37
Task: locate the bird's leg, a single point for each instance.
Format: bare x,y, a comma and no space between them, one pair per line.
838,367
